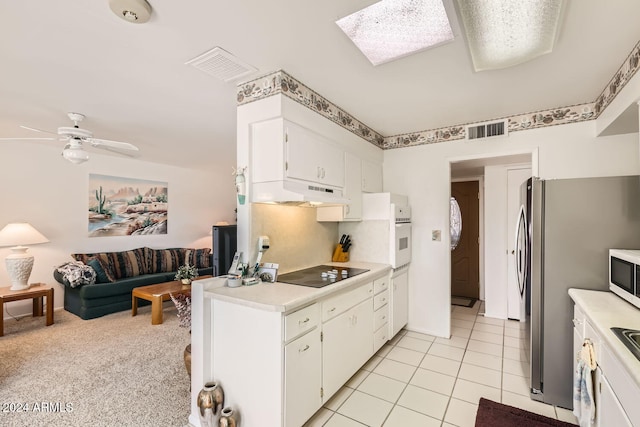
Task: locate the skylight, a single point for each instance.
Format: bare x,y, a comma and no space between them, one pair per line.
505,33
391,29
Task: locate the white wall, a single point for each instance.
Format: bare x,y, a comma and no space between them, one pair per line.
40,187
423,174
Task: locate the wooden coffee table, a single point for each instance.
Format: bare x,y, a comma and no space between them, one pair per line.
36,292
157,294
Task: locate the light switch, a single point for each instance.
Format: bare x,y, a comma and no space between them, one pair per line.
435,235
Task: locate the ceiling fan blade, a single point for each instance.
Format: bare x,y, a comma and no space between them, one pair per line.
28,139
37,130
114,150
102,143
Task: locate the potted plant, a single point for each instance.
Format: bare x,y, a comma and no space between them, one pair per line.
186,273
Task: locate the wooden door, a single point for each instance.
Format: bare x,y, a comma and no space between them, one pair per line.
465,259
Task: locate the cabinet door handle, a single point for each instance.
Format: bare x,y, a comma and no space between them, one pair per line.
305,348
384,299
317,171
332,310
384,317
300,322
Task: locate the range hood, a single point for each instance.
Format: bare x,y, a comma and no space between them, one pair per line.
294,192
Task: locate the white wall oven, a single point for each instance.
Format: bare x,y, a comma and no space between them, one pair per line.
401,236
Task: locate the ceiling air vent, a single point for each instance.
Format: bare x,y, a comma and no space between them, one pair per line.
487,130
221,64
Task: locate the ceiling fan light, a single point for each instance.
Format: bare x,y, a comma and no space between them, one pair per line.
505,33
75,155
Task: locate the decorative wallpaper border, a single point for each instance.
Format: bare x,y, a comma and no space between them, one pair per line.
280,82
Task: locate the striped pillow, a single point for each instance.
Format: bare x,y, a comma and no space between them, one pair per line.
121,264
163,260
201,258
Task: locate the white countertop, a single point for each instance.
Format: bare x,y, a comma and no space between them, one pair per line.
284,297
607,310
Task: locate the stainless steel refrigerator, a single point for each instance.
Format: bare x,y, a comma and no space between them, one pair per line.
569,226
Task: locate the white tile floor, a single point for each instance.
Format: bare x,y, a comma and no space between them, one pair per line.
419,380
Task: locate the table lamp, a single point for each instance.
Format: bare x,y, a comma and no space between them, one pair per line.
19,262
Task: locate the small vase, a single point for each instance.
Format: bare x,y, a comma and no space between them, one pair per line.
186,281
210,402
187,359
229,418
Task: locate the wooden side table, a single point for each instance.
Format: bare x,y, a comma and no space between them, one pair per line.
36,292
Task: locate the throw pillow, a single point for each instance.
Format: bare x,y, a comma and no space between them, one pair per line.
164,260
201,258
103,274
121,264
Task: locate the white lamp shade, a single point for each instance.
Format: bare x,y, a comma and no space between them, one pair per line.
20,234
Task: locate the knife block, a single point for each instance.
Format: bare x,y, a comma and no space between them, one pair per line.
339,255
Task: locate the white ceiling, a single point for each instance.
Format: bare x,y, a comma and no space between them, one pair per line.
131,82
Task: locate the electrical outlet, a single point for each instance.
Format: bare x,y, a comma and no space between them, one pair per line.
436,235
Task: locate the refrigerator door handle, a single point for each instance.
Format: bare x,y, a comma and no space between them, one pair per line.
520,247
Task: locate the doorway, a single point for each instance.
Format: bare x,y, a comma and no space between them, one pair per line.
465,258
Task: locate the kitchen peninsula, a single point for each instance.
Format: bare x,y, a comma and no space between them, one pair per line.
280,351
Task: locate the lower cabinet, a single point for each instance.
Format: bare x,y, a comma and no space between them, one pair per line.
399,301
347,344
302,378
609,409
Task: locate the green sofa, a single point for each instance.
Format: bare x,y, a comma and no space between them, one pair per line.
118,273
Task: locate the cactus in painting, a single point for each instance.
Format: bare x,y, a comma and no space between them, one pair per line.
101,200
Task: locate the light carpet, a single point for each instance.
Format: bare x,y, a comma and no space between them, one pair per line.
115,370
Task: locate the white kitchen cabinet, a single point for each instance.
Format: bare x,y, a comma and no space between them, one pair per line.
347,344
610,412
610,382
284,152
302,377
399,300
371,177
279,367
311,157
352,191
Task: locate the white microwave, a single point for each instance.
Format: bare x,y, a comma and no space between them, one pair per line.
624,274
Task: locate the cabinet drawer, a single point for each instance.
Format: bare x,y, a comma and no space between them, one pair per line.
380,299
342,302
380,317
380,285
380,337
301,321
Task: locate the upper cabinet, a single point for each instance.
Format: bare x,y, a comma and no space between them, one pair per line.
371,177
352,211
282,149
292,163
311,157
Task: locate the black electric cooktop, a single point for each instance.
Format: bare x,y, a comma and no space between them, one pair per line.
320,275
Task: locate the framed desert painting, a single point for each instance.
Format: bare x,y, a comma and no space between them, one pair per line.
121,206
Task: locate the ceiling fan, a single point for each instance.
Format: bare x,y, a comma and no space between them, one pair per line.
75,136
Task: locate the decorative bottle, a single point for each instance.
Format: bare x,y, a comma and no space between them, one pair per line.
210,402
